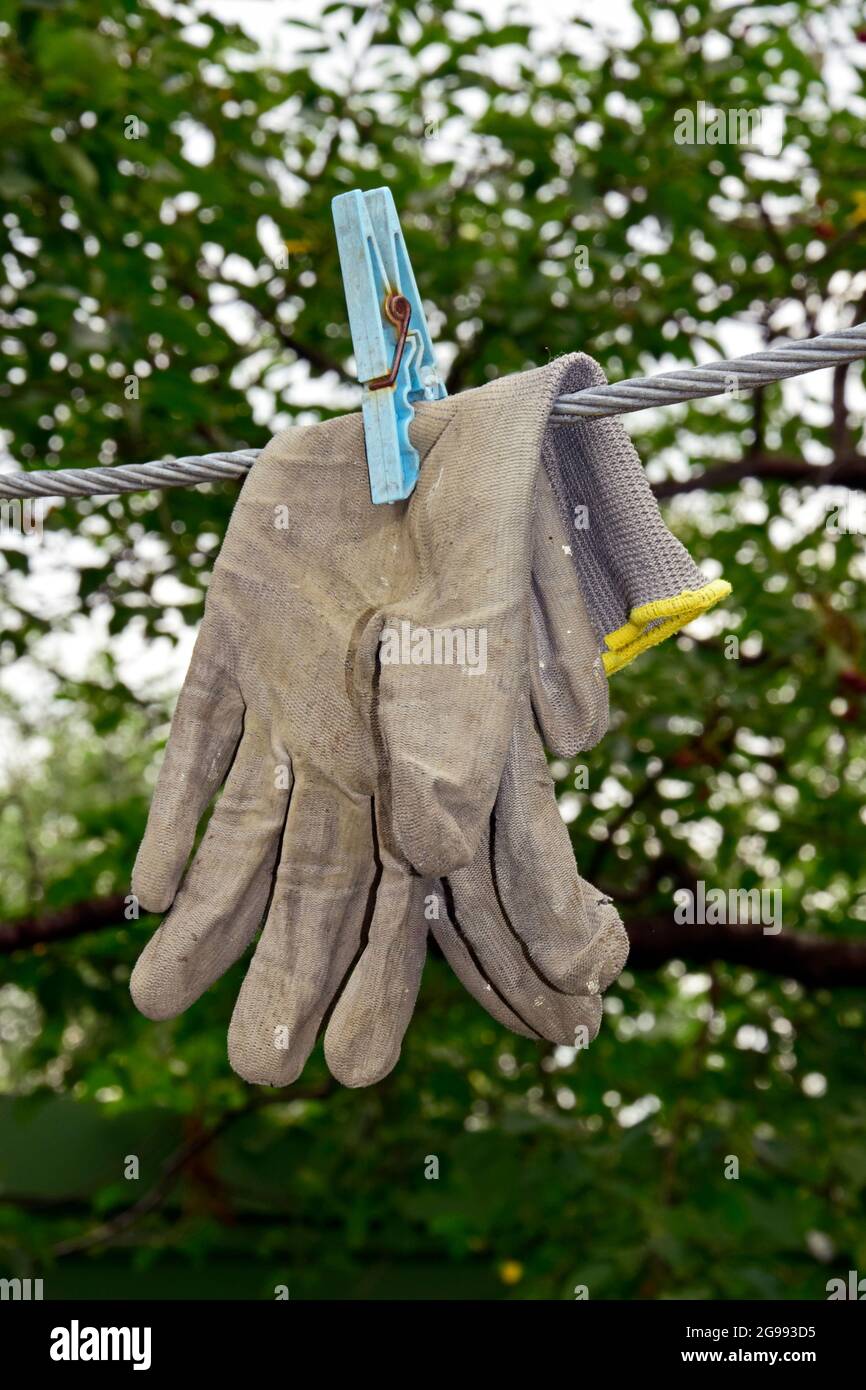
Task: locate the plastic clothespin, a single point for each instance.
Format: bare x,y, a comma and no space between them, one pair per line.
393,349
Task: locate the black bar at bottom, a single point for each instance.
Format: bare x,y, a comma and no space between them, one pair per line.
257,1340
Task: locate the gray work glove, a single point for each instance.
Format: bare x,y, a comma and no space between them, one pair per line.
598,536
322,755
506,921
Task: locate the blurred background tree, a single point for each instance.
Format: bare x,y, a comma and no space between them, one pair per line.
171,285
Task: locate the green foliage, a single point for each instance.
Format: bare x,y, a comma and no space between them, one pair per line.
507,151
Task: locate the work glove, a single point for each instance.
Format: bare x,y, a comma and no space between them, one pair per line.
515,904
338,795
506,922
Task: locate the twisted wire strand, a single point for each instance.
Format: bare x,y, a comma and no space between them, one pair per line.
716,378
618,398
129,477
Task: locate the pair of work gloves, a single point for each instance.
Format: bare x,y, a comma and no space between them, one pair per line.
372,689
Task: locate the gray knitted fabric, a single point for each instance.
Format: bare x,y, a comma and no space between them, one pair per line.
344,774
639,582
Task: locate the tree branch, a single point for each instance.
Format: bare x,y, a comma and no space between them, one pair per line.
848,471
818,961
23,933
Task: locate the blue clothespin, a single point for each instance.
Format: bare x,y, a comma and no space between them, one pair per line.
393,348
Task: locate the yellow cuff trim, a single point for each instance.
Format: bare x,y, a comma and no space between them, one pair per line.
668,615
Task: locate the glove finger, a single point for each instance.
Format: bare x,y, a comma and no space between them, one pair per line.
315,926
205,730
573,933
370,1018
460,956
223,897
505,961
569,684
